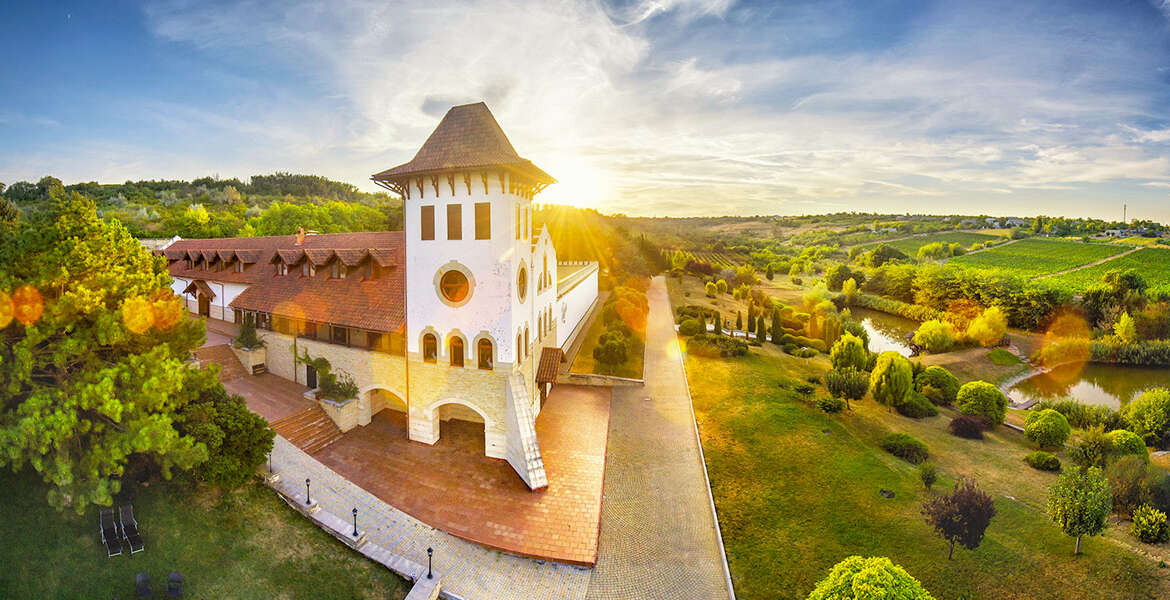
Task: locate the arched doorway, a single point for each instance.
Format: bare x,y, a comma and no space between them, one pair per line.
388,408
462,427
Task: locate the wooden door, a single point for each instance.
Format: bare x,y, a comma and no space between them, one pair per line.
204,305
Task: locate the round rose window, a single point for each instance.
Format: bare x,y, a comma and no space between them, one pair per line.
522,283
453,286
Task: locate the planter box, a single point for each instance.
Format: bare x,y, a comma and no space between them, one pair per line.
251,358
345,414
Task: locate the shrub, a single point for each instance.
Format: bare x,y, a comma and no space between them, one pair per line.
247,338
858,578
1149,525
1047,428
967,426
935,336
946,386
818,345
928,474
237,439
806,353
848,352
803,389
905,447
1148,415
891,379
1042,460
1124,443
1084,416
1091,449
830,404
849,384
708,344
790,348
982,399
689,327
916,406
988,328
1130,480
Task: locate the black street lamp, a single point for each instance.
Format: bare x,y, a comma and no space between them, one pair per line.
430,551
355,521
307,500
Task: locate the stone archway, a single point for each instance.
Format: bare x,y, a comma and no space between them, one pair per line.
374,399
427,425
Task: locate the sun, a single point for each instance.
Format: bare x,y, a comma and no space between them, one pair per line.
580,181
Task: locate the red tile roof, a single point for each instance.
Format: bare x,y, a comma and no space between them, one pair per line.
351,302
467,137
550,363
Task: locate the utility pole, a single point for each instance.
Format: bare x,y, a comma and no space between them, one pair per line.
1124,208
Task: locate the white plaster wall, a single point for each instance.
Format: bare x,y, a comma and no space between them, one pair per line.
574,305
220,306
494,264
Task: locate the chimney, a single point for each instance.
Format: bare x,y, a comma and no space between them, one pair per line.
300,236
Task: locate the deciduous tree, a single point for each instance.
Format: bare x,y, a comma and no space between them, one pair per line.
961,516
891,378
1079,502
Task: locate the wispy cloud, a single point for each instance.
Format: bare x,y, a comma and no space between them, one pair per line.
693,107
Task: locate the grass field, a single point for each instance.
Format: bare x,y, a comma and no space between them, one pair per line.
964,238
1038,256
246,544
584,362
717,259
1152,263
797,491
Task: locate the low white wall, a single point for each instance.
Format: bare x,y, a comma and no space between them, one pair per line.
573,306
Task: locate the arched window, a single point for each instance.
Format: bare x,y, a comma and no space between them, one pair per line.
484,348
456,350
519,347
430,348
527,341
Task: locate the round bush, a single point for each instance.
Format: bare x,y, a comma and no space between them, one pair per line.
1148,415
982,399
1047,428
1149,525
830,404
689,327
935,336
916,406
848,353
1123,442
1042,460
967,426
940,379
905,447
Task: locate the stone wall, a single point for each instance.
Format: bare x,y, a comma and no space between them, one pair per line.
370,370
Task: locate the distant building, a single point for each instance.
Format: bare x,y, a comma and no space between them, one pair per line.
155,244
460,316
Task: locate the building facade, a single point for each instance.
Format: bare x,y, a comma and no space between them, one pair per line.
459,316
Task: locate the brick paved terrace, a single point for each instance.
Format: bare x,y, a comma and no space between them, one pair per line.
453,487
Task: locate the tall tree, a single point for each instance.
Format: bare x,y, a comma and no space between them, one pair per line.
891,378
961,516
1080,502
94,366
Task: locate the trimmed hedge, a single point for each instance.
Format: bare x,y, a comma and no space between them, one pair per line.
1123,443
916,406
982,399
905,447
690,327
945,384
1047,428
707,344
1043,461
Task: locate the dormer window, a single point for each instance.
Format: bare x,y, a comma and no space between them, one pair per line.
281,269
239,267
369,271
307,269
336,272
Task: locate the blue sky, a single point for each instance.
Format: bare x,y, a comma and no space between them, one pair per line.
666,107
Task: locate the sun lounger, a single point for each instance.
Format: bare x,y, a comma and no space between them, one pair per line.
130,529
110,535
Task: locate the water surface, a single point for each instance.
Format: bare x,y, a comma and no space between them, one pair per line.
1092,383
886,331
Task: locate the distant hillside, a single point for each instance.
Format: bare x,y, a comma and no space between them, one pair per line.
208,207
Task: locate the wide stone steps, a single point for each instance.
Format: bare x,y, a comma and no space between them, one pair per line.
310,430
229,365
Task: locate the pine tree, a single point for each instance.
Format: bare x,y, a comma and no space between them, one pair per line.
738,320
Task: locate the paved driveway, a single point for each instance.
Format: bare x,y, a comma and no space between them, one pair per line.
658,532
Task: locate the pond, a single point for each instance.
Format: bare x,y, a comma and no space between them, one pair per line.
886,331
1092,383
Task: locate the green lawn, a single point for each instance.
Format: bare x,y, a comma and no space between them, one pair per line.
964,238
584,362
246,544
1038,256
1152,263
797,490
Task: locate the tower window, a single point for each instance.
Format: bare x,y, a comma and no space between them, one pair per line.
453,285
483,221
430,348
456,350
484,348
454,221
519,347
427,214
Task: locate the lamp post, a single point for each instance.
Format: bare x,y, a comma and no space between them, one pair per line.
355,521
430,551
307,500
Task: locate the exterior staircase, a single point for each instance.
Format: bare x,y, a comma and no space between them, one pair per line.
523,449
229,366
310,430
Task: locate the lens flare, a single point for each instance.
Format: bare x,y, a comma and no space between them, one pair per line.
1066,343
27,305
137,314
